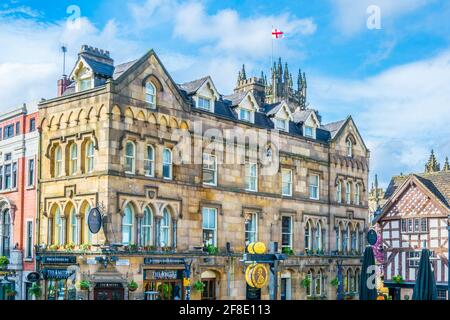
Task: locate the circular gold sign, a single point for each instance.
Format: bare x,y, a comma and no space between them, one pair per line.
257,248
257,276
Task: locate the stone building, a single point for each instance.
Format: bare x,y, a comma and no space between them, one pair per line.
415,216
18,162
130,141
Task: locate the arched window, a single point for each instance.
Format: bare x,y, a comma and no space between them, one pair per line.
339,192
130,158
349,145
308,236
73,226
150,94
344,238
319,236
6,233
167,164
339,238
309,289
357,194
354,240
348,194
90,157
73,159
347,281
149,162
357,277
58,161
127,225
147,227
318,284
87,234
165,228
349,238
58,228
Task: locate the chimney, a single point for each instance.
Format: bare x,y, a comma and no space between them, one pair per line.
62,85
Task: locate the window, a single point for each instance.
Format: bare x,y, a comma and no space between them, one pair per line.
17,128
204,103
147,227
349,145
85,84
308,231
319,236
309,291
209,219
6,233
414,259
424,225
58,228
29,240
357,194
165,229
286,232
209,169
286,182
149,162
73,227
167,164
251,177
127,225
7,176
339,192
339,238
58,162
318,284
30,182
354,239
245,115
348,195
14,175
88,234
251,228
90,157
150,94
130,158
281,124
442,294
9,131
309,132
345,240
73,159
414,225
314,187
32,125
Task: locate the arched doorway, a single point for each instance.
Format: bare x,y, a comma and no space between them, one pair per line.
286,285
209,280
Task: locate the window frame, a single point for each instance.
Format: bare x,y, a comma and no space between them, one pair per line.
201,100
129,225
73,167
254,221
31,169
58,162
208,211
148,228
306,132
339,192
290,233
311,187
130,160
169,164
90,156
148,161
288,183
348,193
166,228
249,177
153,101
284,127
209,157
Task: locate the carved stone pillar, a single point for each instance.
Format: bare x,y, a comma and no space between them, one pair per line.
139,230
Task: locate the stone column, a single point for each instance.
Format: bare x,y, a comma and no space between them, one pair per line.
158,231
324,236
174,233
49,231
79,230
139,230
315,245
63,231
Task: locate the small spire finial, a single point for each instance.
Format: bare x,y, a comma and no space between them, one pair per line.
432,164
446,165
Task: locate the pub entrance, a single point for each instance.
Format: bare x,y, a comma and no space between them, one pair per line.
109,291
167,283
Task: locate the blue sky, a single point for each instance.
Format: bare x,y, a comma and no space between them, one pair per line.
394,81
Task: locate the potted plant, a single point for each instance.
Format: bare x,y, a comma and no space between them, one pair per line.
4,261
35,291
53,247
85,285
306,282
10,293
85,247
198,286
69,247
335,282
212,250
288,251
132,286
320,252
398,279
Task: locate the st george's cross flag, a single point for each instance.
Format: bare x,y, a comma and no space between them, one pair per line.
277,34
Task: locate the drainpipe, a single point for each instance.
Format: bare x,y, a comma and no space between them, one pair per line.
38,198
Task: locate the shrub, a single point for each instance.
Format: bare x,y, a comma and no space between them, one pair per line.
199,286
85,285
132,286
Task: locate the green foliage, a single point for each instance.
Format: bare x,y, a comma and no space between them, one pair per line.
198,286
212,249
132,286
306,282
406,297
85,285
288,251
335,282
4,261
35,290
397,279
85,247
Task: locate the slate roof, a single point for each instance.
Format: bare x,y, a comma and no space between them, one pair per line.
301,115
122,68
235,98
193,86
99,68
334,127
437,182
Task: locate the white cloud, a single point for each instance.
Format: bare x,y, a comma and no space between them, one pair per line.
403,112
351,16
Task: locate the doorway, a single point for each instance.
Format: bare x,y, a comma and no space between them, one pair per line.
110,292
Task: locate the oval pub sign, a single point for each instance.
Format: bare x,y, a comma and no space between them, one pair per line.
372,237
94,221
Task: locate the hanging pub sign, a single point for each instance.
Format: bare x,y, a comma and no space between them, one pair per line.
95,221
59,260
33,277
372,237
257,275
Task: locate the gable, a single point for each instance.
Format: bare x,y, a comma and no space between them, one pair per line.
208,90
412,201
312,120
283,113
350,131
132,82
249,103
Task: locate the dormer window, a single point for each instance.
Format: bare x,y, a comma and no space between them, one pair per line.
204,103
309,132
349,144
150,94
245,115
281,124
85,84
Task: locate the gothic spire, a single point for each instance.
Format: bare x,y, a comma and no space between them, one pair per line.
244,74
446,166
432,164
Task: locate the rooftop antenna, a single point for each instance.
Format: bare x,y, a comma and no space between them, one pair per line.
64,51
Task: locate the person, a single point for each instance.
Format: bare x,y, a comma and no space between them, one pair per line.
177,293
